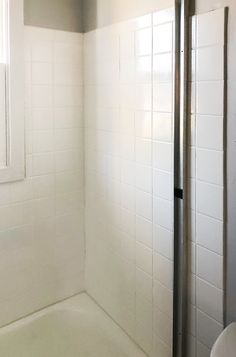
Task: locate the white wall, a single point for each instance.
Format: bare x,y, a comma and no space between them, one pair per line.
129,176
100,13
41,218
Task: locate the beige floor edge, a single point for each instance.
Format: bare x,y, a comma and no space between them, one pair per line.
74,327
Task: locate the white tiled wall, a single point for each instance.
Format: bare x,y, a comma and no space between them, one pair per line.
128,100
42,218
129,175
207,183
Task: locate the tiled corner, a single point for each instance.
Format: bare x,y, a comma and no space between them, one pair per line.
128,147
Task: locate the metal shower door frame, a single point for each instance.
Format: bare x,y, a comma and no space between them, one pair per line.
183,11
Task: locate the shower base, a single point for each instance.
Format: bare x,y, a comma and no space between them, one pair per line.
76,327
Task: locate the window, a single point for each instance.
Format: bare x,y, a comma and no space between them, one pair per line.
11,91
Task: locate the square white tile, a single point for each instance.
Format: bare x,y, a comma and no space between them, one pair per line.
209,200
209,166
210,267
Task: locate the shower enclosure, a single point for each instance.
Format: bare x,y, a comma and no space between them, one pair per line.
154,179
125,134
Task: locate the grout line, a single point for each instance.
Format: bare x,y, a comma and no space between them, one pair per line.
210,317
210,284
210,250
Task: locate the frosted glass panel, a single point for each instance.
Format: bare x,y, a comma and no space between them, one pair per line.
206,217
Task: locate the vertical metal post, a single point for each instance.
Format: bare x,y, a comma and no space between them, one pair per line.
181,110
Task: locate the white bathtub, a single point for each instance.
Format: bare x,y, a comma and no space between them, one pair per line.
76,327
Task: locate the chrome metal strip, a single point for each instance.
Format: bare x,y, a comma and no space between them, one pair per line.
183,10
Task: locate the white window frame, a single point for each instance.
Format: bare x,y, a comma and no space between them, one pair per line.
15,152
